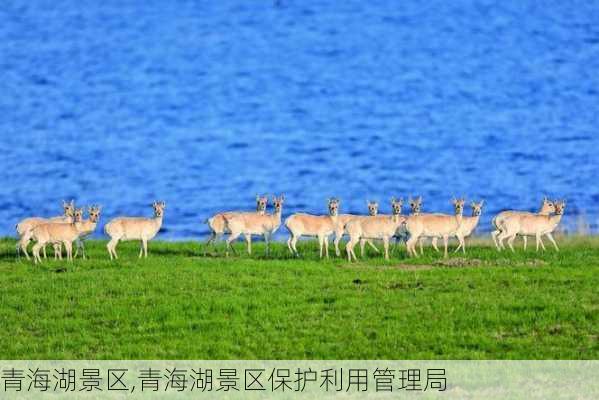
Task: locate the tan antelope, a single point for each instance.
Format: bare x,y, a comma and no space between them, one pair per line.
547,208
29,223
468,224
382,227
61,233
532,225
250,224
343,219
86,228
320,226
396,207
134,228
435,225
217,223
58,245
89,226
416,209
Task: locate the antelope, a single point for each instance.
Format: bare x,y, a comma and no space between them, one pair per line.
29,223
396,206
250,224
435,225
415,209
547,208
321,226
343,219
86,227
134,228
57,245
374,227
468,224
217,223
62,233
533,225
89,227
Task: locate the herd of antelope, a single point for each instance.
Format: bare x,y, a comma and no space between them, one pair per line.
71,227
415,228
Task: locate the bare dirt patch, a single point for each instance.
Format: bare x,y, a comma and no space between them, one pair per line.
460,262
531,263
406,286
454,262
405,267
412,267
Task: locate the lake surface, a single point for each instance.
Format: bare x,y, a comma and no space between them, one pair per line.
206,104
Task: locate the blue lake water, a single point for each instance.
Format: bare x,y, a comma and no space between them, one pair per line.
205,104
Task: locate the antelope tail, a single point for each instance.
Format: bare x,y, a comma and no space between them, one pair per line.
494,222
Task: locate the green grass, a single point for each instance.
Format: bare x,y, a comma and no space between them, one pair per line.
178,304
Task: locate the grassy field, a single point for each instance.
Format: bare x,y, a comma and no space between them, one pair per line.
178,304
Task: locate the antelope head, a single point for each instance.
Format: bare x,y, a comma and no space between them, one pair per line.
477,208
458,205
69,208
548,206
396,205
94,213
560,206
159,207
415,205
373,208
79,215
333,206
278,203
261,203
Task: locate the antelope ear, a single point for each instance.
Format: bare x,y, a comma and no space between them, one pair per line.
482,202
419,199
282,197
